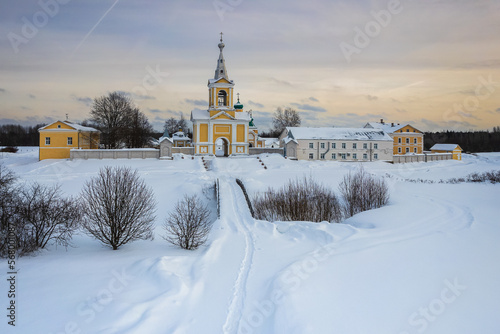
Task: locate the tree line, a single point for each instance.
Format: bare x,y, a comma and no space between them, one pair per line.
470,141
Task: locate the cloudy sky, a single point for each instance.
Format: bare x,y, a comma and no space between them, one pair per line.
434,63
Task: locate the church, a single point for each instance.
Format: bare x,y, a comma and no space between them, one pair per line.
224,129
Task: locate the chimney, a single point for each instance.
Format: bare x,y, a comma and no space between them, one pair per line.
392,124
381,121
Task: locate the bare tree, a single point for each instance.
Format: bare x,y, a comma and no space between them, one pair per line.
112,114
47,216
139,131
362,191
118,207
172,125
189,224
283,118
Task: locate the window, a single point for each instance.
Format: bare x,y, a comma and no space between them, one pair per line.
334,145
414,140
375,146
322,145
334,156
399,140
343,156
407,130
47,140
407,140
311,145
407,150
354,145
58,126
365,156
311,156
343,145
415,150
399,149
354,155
70,140
322,156
375,156
365,146
222,98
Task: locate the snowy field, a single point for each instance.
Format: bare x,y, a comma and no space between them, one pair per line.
429,262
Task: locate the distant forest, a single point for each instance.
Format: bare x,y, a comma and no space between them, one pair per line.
470,141
17,135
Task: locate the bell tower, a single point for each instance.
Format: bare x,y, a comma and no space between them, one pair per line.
220,88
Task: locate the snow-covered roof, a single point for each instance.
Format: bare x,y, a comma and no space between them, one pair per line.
286,140
444,147
389,128
75,126
270,141
338,133
200,114
179,135
165,138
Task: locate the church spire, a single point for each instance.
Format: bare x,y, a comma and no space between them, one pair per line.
220,71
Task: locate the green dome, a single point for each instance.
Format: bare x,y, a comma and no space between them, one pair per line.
238,106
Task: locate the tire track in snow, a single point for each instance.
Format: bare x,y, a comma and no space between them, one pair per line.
242,217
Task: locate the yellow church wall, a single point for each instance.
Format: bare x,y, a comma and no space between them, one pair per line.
203,132
219,129
240,133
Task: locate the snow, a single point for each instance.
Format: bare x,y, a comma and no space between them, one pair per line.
426,263
389,128
444,147
337,133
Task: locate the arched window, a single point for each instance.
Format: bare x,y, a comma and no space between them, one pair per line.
222,101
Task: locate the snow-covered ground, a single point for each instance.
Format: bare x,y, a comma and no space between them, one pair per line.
426,263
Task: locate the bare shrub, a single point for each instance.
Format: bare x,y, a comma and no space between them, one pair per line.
299,200
361,192
33,216
8,211
189,224
118,207
47,216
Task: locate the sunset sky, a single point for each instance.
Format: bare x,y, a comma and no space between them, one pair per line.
432,63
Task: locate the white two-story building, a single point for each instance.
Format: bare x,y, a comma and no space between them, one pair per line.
337,144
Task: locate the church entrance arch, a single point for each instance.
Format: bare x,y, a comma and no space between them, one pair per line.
222,147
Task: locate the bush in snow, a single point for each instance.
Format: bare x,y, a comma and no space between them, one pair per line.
361,192
118,207
299,200
189,224
8,210
45,216
33,216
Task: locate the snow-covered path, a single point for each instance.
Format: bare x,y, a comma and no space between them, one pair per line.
236,213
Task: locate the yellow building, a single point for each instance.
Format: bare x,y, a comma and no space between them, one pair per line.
407,139
58,138
224,128
448,148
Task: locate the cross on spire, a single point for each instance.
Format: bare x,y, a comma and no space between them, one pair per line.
221,36
238,97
